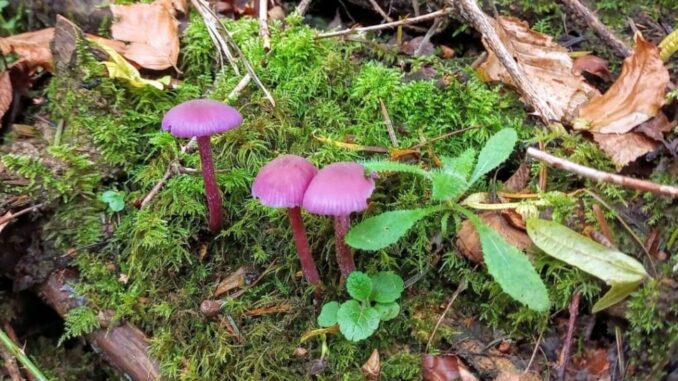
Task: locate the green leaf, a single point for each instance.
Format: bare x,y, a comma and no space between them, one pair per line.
328,314
496,150
394,166
447,186
386,287
385,229
615,295
563,243
359,286
460,165
387,311
115,200
357,322
510,268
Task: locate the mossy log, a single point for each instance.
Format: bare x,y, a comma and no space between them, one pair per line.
123,346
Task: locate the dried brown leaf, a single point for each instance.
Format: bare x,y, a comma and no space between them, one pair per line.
5,93
33,47
468,241
372,367
519,179
439,368
591,64
517,376
268,310
545,62
624,148
656,127
635,97
238,279
152,32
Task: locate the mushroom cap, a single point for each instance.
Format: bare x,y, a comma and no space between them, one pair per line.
200,117
338,190
283,181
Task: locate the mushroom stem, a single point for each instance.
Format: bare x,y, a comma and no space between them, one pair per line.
344,253
303,250
216,219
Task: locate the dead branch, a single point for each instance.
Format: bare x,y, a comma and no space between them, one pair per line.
567,345
123,346
580,11
389,124
10,365
263,24
10,216
303,6
406,21
605,177
459,290
469,11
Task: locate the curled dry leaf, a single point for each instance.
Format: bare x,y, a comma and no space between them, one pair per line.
625,148
33,47
372,367
5,93
468,241
591,64
635,97
545,62
151,30
517,376
439,368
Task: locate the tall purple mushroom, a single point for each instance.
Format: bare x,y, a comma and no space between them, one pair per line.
281,184
339,190
202,118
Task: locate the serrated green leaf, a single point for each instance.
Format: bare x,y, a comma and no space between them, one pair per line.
386,287
447,186
387,311
510,268
614,295
563,243
461,165
394,166
357,322
385,229
328,314
496,150
359,286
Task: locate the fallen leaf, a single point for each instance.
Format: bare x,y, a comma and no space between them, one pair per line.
31,46
468,241
268,310
5,93
656,127
635,97
624,148
439,368
119,68
519,179
517,376
372,367
544,61
591,64
446,52
152,32
238,279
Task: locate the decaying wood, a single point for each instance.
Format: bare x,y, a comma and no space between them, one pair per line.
594,174
588,19
469,11
123,346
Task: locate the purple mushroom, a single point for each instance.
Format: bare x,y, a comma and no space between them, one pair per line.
339,190
281,184
202,118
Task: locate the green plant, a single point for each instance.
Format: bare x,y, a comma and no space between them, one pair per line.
374,300
114,199
509,267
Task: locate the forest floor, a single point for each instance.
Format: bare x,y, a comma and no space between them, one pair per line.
522,223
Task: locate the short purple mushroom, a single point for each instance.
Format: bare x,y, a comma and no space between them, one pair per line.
202,118
281,184
339,190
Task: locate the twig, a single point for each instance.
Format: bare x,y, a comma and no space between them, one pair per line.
470,12
406,21
427,37
534,353
10,365
263,24
224,41
303,6
5,219
20,355
620,351
460,288
591,21
604,227
443,136
565,352
605,177
415,7
378,9
389,124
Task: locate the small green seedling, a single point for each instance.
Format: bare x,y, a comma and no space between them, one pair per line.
374,300
114,199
